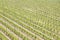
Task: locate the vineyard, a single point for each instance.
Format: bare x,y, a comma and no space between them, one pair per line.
29,19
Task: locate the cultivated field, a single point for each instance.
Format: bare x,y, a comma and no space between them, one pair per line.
29,19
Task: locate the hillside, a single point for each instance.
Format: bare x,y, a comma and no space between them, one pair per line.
29,19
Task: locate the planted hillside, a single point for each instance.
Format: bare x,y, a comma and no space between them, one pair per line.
29,19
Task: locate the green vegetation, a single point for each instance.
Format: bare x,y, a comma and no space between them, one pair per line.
30,19
2,37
